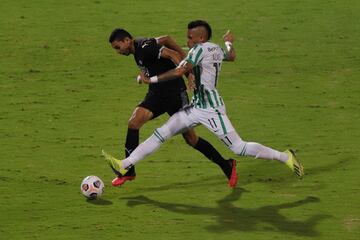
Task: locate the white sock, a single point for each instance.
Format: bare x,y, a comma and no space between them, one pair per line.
259,151
149,146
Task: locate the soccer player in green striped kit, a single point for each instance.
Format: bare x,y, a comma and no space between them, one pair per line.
204,61
156,56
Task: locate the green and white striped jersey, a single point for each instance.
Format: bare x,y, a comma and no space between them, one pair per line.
206,59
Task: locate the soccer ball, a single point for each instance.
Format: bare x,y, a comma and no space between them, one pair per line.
92,187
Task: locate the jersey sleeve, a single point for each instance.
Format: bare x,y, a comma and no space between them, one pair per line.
195,55
150,50
225,57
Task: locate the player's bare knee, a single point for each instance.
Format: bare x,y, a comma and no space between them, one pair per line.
134,123
139,117
191,139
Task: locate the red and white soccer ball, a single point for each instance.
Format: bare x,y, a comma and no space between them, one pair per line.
92,187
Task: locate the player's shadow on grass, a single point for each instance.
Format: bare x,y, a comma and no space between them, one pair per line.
99,201
326,168
216,180
202,182
232,218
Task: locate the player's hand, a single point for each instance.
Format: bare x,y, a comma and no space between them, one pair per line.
228,36
138,79
144,78
191,82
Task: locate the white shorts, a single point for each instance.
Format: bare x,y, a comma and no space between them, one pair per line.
214,119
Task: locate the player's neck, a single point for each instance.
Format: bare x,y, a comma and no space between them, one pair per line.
132,47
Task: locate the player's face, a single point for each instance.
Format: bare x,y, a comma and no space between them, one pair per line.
122,47
192,38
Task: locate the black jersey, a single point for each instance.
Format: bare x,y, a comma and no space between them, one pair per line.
147,57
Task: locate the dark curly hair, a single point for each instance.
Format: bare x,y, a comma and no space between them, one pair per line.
119,34
201,23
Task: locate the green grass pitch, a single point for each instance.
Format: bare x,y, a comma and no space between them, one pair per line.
65,95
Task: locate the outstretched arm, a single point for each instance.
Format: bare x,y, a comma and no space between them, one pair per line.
171,54
168,42
229,39
183,68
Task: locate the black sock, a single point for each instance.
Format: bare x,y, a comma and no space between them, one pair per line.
211,153
132,141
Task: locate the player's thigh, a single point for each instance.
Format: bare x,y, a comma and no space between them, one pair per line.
177,123
153,103
176,102
234,142
219,123
215,120
139,117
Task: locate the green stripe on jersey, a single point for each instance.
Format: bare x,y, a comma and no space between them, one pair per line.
222,122
196,71
222,103
225,54
196,97
190,55
190,61
215,97
209,98
203,96
198,55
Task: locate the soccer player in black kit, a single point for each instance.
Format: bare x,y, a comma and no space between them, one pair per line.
155,56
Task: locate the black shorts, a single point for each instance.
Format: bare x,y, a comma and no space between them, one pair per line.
169,103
